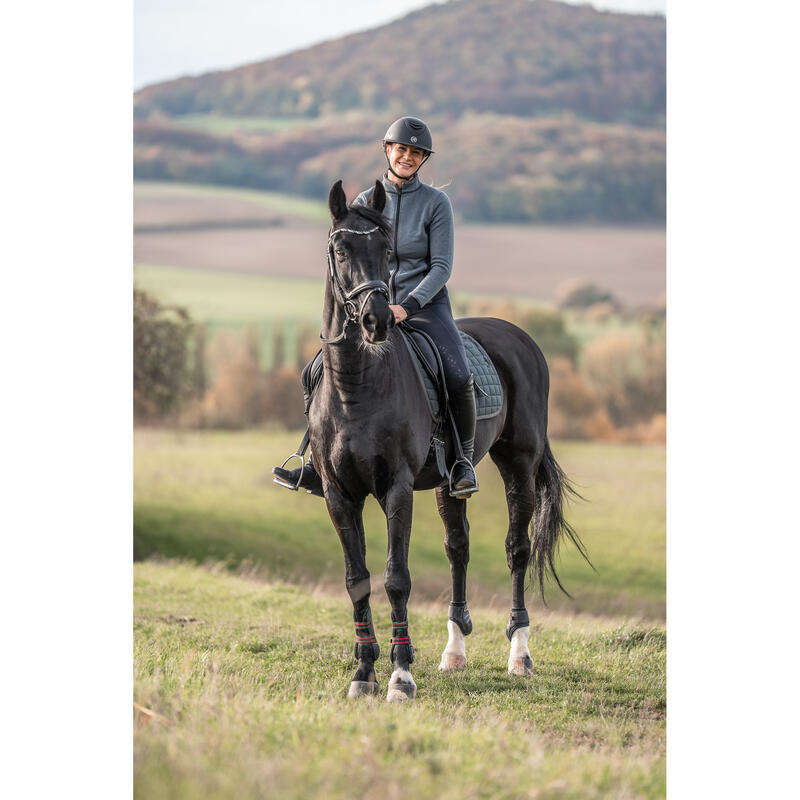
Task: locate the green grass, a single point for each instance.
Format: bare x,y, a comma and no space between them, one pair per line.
209,495
230,298
248,682
224,125
290,205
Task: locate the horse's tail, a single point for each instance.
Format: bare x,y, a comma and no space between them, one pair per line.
549,526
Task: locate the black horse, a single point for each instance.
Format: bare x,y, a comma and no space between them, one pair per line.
371,431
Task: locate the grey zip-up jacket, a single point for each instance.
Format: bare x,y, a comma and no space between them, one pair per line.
422,256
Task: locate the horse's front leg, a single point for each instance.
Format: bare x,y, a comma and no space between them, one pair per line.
397,505
346,515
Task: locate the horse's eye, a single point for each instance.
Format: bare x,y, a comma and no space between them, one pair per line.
340,253
388,252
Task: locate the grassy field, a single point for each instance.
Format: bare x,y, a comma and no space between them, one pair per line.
233,299
165,202
226,125
209,495
240,689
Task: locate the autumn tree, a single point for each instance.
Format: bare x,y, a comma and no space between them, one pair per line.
160,356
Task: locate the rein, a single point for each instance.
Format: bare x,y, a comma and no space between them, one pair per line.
345,298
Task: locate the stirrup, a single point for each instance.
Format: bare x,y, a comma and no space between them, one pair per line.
467,491
286,484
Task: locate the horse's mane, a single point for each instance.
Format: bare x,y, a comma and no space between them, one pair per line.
373,216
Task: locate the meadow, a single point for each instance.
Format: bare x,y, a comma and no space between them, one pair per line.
208,495
239,691
243,638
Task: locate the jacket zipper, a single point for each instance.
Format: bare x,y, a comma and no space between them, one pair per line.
396,254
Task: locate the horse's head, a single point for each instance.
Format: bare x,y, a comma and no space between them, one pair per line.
358,249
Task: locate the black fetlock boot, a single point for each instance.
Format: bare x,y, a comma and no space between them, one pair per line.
304,477
463,482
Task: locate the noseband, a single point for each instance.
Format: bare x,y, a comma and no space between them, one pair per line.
345,298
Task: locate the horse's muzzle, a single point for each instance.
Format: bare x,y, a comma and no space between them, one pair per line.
377,320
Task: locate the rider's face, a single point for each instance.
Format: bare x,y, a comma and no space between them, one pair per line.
403,159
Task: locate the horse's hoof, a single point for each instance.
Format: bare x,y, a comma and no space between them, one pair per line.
401,687
520,666
360,688
400,692
452,662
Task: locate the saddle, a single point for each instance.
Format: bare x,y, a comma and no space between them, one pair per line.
429,369
488,389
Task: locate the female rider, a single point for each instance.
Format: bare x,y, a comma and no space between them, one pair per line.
423,260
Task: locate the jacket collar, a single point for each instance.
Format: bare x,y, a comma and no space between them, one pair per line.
409,186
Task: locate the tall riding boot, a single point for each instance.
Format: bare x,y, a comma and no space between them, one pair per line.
305,477
462,401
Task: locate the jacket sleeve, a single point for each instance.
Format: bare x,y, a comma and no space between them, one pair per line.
440,250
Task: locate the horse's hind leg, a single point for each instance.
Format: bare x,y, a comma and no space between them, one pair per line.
346,516
518,470
456,542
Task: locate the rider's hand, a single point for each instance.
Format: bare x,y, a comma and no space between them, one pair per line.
399,313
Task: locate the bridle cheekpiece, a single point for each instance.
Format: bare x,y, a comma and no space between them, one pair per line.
345,298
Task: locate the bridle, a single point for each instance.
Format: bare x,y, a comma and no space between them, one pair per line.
345,299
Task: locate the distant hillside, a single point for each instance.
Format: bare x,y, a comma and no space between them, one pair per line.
512,57
540,111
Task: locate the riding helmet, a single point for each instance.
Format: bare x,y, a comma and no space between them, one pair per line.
410,131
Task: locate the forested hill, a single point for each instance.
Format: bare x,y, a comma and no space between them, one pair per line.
508,56
562,98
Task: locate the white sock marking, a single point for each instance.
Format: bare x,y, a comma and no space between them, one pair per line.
455,640
519,644
401,676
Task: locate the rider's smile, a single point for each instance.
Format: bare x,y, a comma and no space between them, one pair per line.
404,160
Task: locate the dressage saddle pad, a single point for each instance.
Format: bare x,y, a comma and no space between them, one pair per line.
488,390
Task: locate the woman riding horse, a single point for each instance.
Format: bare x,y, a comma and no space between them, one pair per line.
371,431
422,257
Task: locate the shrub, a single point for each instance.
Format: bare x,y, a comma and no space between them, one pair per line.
574,410
628,375
161,377
583,294
547,327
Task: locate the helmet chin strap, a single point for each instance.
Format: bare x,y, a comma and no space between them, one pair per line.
404,177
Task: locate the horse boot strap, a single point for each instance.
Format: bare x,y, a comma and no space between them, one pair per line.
518,618
459,614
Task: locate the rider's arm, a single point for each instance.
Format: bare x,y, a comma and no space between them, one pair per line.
440,241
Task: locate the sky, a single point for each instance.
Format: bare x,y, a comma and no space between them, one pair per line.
188,37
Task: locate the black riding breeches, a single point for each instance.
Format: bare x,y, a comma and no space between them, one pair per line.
436,319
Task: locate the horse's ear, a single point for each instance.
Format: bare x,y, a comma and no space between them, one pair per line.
337,201
378,199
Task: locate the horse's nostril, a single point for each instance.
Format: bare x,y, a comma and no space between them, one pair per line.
370,322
